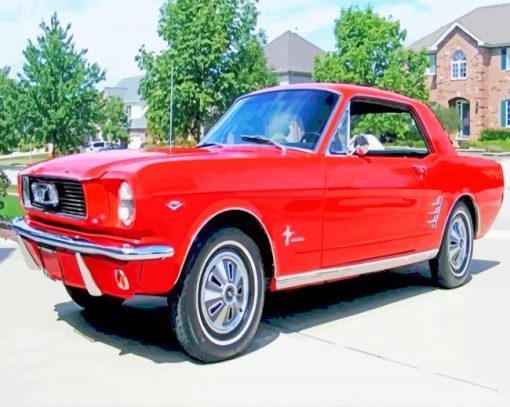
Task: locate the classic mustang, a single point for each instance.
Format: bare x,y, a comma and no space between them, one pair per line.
293,186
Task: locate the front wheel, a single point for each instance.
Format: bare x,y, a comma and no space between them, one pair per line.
450,269
217,309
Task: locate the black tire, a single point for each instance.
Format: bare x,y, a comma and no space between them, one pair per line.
104,303
226,261
450,271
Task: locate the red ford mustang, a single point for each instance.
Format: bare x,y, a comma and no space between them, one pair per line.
293,186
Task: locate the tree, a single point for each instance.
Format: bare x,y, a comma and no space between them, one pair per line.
114,121
61,102
370,51
9,131
448,117
215,56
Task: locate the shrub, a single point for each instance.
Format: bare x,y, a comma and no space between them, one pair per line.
4,183
495,134
448,117
464,144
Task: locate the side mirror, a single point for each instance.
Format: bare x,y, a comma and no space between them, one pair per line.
362,150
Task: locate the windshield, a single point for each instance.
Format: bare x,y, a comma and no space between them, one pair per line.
293,118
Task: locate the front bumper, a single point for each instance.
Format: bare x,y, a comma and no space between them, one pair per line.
79,247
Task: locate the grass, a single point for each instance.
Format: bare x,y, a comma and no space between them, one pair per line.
5,162
495,146
11,207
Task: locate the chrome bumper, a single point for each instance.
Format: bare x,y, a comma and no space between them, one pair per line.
82,246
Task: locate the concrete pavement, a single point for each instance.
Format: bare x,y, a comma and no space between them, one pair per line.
387,339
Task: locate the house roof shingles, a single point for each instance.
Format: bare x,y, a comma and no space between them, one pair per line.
126,89
488,24
291,53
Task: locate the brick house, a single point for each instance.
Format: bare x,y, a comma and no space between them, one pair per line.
470,68
291,57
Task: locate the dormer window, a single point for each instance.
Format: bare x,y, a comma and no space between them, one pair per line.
459,65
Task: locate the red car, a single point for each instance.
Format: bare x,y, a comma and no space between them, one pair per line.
293,186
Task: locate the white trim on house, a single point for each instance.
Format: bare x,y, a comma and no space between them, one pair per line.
434,47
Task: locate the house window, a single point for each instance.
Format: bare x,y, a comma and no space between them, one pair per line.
508,113
459,65
505,113
505,59
432,69
128,111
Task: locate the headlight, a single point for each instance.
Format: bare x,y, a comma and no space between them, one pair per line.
126,210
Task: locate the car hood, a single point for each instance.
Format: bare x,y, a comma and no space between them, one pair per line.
90,166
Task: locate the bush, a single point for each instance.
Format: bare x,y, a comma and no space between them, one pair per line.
464,144
4,183
495,134
448,117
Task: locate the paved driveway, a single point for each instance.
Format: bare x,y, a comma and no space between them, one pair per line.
387,339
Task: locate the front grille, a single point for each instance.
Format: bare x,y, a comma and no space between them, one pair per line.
71,199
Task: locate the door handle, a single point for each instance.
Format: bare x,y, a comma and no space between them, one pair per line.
420,170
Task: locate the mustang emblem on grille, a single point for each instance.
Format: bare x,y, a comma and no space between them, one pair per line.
45,193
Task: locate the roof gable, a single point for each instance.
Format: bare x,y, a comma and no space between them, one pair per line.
291,53
486,25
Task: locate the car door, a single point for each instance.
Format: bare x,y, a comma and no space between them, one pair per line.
374,205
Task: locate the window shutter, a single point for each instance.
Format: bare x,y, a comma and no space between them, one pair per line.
504,58
503,112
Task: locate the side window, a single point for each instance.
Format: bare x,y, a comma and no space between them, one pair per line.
389,129
339,143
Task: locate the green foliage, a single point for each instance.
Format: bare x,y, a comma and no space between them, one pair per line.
4,184
60,101
11,208
448,117
9,98
216,56
114,121
401,125
488,145
495,134
370,51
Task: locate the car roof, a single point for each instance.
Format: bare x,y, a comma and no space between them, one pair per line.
347,90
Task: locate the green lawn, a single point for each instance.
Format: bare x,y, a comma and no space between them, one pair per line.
11,208
5,162
495,146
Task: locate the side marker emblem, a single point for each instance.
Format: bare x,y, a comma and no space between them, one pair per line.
174,205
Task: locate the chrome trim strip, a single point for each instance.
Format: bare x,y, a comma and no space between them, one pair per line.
337,273
435,214
90,284
85,247
29,260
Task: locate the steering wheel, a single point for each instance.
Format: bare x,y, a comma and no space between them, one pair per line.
310,137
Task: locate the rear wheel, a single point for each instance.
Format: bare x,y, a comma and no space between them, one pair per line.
450,269
217,309
104,303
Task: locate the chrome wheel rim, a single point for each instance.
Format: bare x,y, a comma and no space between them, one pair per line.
459,245
224,292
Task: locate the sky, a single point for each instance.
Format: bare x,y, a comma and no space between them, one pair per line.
114,30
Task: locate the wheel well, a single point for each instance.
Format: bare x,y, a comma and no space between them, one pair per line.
250,225
473,210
